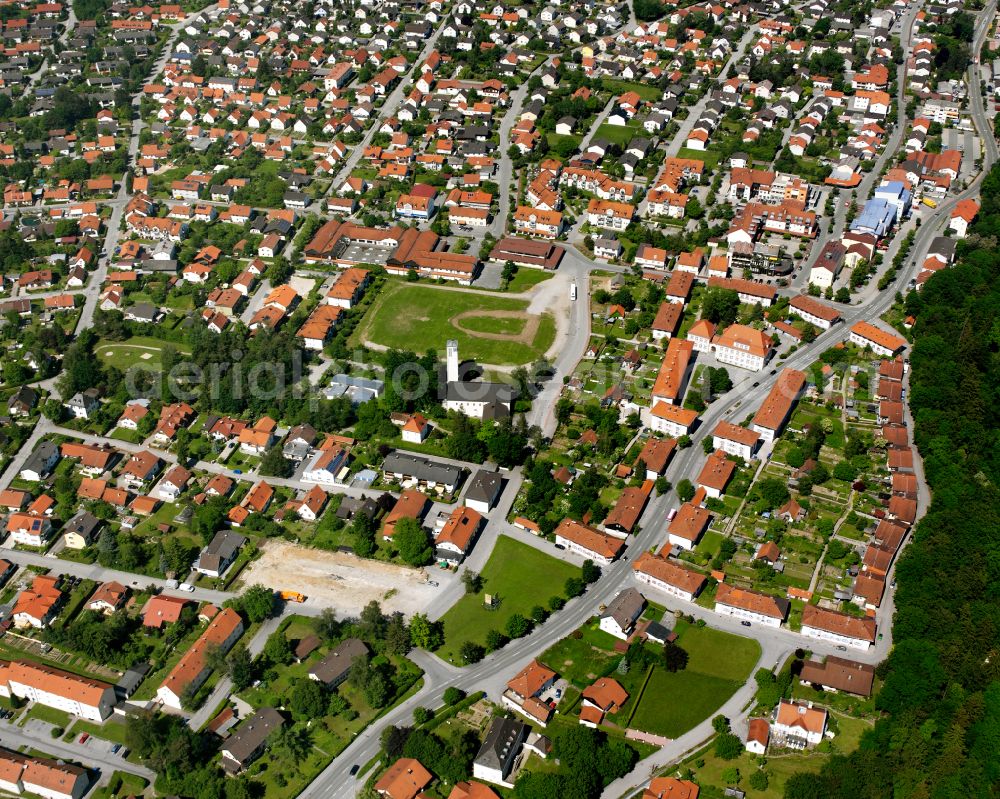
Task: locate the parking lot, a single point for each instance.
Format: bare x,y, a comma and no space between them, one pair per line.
41,729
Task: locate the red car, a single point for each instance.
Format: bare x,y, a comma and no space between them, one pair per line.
83,738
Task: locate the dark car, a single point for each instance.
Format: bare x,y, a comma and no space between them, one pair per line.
354,769
745,623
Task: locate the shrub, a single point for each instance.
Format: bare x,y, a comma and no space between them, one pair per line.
453,695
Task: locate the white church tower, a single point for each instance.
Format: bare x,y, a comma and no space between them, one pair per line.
452,372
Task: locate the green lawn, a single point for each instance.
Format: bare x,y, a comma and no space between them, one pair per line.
527,278
780,765
645,91
673,703
110,730
710,158
121,784
717,653
718,664
520,577
616,134
410,316
495,324
582,660
137,351
58,718
554,139
123,434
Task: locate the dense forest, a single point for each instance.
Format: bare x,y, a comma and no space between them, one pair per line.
940,735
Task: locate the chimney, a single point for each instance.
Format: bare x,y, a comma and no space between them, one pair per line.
452,361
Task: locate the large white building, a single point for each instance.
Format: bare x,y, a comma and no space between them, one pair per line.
478,399
50,779
666,576
193,668
750,606
735,440
776,409
865,334
814,312
62,690
588,542
838,628
672,420
743,346
798,725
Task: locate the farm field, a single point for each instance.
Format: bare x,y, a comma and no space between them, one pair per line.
490,329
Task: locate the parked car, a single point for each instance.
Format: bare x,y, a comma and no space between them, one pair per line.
187,587
745,623
84,737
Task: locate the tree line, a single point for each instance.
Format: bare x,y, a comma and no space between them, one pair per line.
940,733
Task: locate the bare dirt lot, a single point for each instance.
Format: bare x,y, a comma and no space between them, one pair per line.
343,582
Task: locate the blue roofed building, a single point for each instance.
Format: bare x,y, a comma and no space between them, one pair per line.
877,218
896,194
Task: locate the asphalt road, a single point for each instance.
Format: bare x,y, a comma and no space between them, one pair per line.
492,673
15,738
387,110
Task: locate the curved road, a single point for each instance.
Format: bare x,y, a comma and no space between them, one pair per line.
491,673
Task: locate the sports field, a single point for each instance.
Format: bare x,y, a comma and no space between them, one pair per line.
489,329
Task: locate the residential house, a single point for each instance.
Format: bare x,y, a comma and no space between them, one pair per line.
62,690
499,753
483,491
687,527
622,613
163,609
108,598
603,696
588,542
525,691
798,725
404,779
333,669
458,534
219,555
668,576
777,407
40,462
81,530
250,740
193,668
839,674
749,605
838,628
